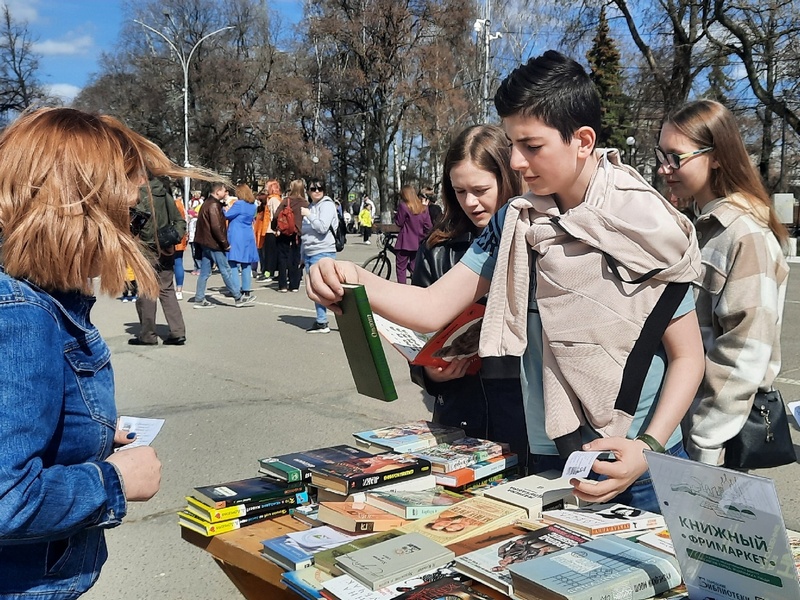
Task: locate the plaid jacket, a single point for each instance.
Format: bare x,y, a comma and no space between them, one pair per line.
739,301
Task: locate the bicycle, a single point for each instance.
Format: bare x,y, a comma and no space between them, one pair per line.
381,264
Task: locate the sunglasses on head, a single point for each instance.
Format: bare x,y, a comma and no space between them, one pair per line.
139,219
314,188
673,161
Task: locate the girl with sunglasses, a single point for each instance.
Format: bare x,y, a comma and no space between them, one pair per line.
742,285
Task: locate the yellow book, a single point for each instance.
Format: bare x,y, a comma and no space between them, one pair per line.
215,515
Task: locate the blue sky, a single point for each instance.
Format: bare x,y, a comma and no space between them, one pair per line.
70,35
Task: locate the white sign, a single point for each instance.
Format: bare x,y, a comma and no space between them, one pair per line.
727,529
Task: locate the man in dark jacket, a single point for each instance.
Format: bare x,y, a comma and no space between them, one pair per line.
156,199
212,237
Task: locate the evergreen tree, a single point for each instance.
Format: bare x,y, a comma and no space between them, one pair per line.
606,73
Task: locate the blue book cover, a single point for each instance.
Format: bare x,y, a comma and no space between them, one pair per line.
608,566
306,582
285,553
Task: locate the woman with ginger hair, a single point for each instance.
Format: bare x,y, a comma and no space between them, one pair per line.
68,182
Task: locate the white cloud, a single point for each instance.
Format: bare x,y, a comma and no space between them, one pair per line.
79,45
22,10
65,91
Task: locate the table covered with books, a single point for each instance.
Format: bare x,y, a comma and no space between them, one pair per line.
341,523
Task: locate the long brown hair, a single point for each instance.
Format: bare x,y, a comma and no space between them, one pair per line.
486,146
409,197
709,124
243,192
297,189
67,182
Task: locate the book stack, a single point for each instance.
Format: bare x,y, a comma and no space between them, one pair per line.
461,453
358,517
215,509
605,519
414,504
296,466
297,550
364,473
408,437
535,493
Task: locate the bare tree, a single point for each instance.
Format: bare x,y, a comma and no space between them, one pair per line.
19,86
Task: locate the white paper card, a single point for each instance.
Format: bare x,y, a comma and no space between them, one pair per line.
579,464
146,430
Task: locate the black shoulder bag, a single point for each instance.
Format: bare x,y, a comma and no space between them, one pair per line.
765,440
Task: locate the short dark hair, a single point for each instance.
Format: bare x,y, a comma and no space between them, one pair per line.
317,183
553,88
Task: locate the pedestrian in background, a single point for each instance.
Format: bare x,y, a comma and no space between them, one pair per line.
414,222
288,237
317,239
241,237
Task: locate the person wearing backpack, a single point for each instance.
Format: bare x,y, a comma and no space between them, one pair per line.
286,223
318,239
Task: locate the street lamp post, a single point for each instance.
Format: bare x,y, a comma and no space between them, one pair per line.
403,168
631,142
315,160
184,60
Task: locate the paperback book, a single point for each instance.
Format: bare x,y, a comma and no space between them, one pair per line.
203,527
296,466
362,345
394,560
476,471
443,588
490,565
358,517
458,454
286,554
414,505
479,486
344,587
459,340
408,437
425,482
534,493
364,473
607,566
326,559
603,519
215,515
306,582
255,489
466,519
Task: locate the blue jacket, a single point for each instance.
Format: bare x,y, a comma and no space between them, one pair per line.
57,493
241,236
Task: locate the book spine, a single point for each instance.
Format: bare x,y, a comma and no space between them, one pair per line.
281,470
243,510
289,491
371,480
420,512
248,520
374,341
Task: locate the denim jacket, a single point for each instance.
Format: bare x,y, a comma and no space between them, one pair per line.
57,493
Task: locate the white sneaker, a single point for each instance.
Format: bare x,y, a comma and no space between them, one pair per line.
179,295
367,242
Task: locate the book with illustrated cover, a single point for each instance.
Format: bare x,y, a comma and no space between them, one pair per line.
474,473
458,340
490,564
295,466
326,559
471,517
306,582
358,517
534,493
603,519
458,454
607,566
286,554
203,527
408,437
344,587
215,515
364,473
394,560
658,539
362,345
443,588
414,505
425,482
254,489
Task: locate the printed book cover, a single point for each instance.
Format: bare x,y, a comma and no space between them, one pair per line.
394,560
607,565
443,588
602,519
458,454
321,538
295,466
414,505
215,515
471,482
458,340
408,437
534,493
477,471
490,565
306,581
326,559
358,517
468,518
658,539
254,489
286,554
195,523
424,482
345,587
363,473
362,345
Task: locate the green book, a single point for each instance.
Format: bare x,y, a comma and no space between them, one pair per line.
362,345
